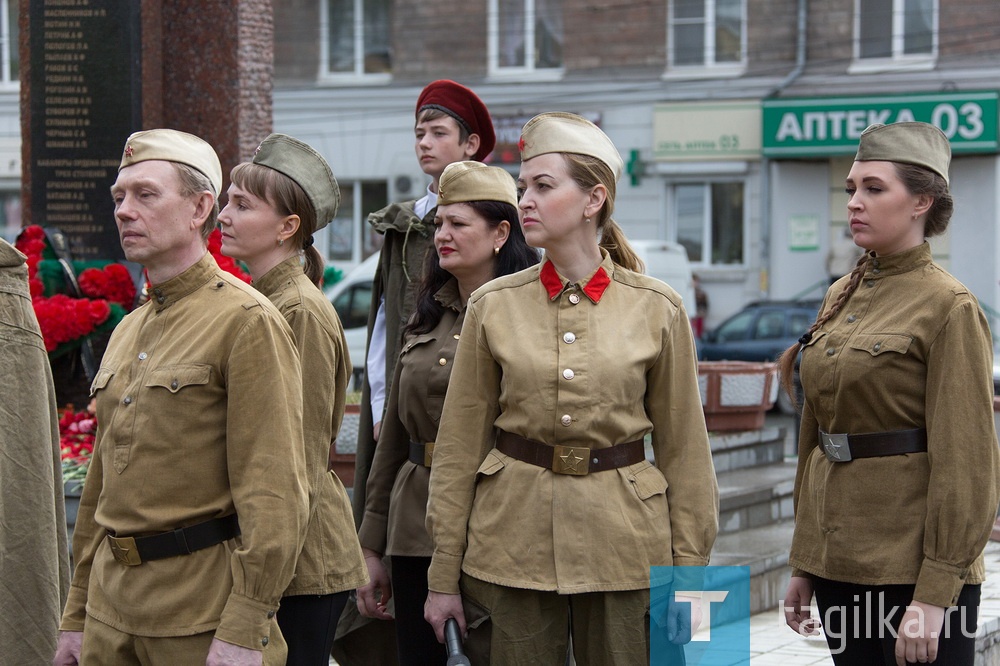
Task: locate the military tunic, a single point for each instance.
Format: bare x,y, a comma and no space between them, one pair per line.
408,238
596,363
909,349
34,556
199,416
396,505
331,559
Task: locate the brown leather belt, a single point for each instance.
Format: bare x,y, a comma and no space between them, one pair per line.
573,460
133,551
845,448
421,454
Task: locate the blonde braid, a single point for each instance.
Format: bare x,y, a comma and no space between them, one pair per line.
786,363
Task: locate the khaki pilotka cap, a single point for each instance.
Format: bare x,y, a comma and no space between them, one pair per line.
174,146
301,163
558,132
921,144
474,181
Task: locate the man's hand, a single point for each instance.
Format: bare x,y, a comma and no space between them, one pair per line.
919,632
683,618
798,598
68,648
439,607
222,653
373,597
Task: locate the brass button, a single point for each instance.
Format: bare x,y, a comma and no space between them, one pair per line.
569,338
142,356
566,419
455,336
568,374
127,400
851,319
442,361
831,351
263,641
574,298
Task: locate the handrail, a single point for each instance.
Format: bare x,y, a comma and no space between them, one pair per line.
822,284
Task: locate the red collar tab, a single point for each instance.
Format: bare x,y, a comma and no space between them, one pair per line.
594,289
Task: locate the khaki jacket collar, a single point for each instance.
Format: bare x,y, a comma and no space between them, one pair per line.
900,262
280,275
164,295
593,287
449,297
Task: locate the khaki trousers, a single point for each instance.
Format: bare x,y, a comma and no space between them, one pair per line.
512,626
103,644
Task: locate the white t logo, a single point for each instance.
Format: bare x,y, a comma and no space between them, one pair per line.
708,597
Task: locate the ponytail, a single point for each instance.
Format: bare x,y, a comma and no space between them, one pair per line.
313,264
786,363
613,240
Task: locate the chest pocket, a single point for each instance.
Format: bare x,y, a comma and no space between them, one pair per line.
881,343
177,377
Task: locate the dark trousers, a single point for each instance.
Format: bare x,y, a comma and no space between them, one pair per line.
852,617
415,640
308,622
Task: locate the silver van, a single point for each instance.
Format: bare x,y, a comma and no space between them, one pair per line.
668,262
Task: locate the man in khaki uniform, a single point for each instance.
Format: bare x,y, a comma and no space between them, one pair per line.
193,510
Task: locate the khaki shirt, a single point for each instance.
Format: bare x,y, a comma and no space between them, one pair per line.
909,349
34,556
331,559
199,411
396,505
596,363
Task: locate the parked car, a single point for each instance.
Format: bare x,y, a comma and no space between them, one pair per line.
352,297
761,331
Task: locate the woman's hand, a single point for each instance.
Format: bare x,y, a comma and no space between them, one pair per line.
798,598
439,607
373,597
919,632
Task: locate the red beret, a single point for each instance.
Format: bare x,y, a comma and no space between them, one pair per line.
465,107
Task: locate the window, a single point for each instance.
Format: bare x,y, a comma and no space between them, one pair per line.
525,36
355,39
894,33
707,35
708,220
349,238
10,60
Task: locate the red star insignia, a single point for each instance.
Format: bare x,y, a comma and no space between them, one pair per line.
521,144
128,151
258,149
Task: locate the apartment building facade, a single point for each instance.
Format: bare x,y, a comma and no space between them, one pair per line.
737,118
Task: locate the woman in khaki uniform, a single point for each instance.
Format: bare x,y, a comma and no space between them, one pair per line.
276,202
897,484
544,511
476,239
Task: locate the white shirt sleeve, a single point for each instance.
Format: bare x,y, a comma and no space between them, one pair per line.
375,364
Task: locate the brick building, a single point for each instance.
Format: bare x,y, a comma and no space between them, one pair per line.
693,92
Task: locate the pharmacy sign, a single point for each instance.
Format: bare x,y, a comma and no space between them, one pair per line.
817,126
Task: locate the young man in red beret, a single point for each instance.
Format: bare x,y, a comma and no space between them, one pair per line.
451,125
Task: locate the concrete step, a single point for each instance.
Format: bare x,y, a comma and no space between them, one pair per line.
748,448
755,496
765,551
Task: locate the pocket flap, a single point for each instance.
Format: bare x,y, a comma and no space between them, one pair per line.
879,343
416,341
816,337
176,377
647,479
104,376
494,462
